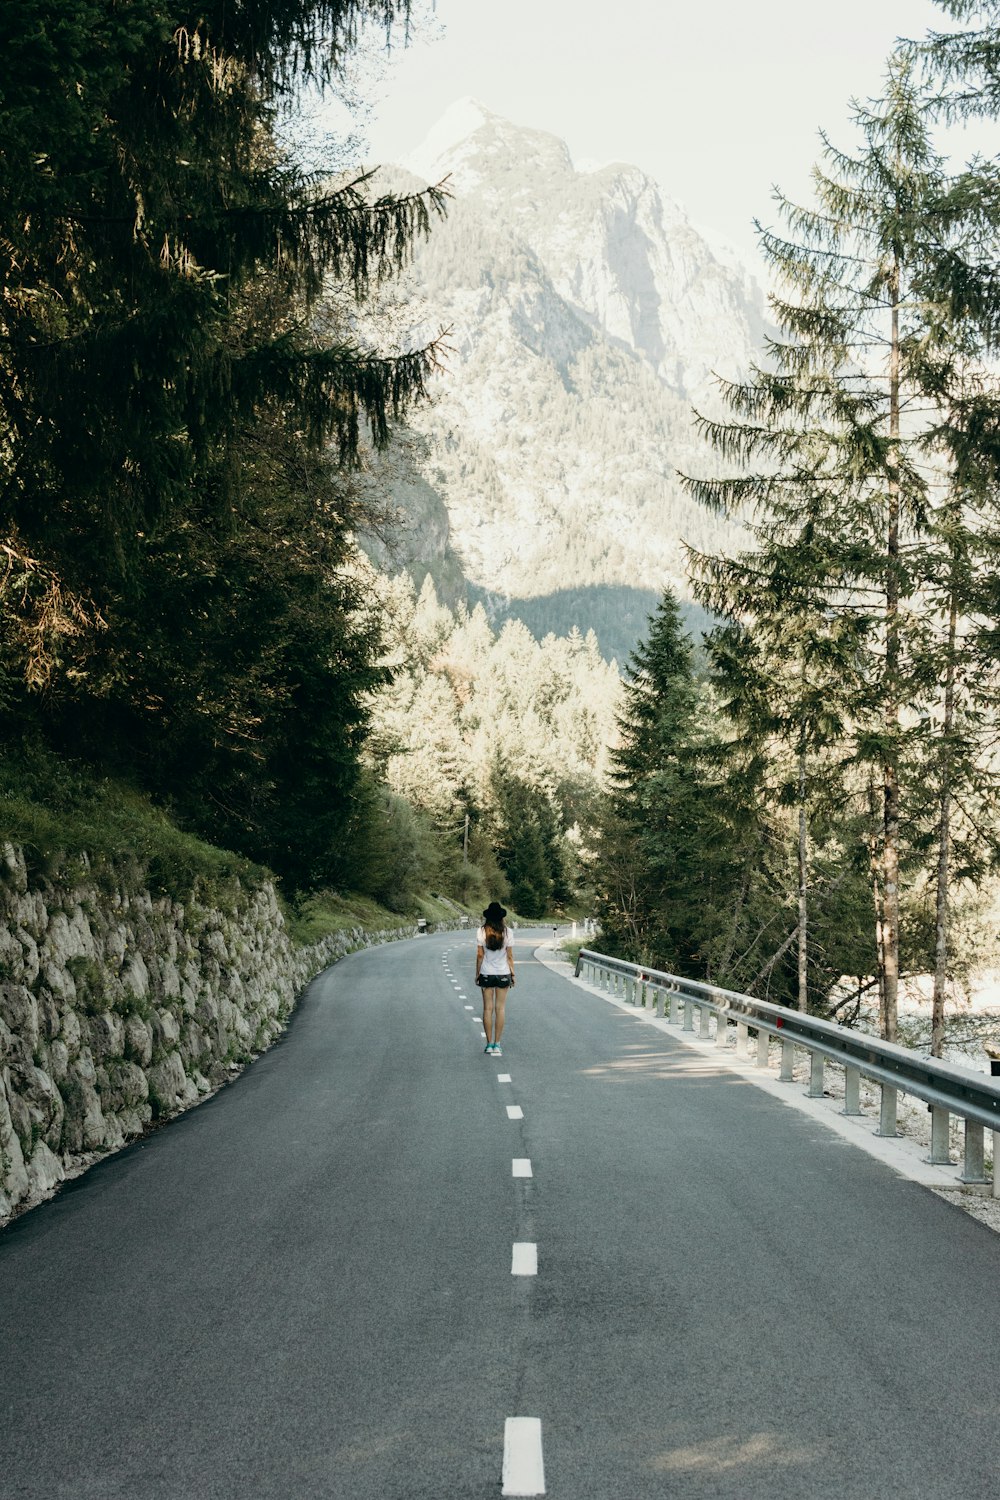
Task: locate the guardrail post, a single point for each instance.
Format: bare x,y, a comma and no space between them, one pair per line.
688,1014
763,1046
887,1111
815,1089
706,1018
940,1137
721,1028
852,1091
787,1060
974,1169
675,1007
742,1035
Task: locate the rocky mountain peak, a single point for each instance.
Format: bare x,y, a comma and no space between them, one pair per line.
587,315
484,152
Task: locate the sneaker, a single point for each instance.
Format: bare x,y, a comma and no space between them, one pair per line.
488,1047
496,1050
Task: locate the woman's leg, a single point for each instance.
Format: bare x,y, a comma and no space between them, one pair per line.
501,1005
489,997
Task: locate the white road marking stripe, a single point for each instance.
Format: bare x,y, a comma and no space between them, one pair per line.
514,1111
502,1077
468,1007
521,1166
523,1467
524,1258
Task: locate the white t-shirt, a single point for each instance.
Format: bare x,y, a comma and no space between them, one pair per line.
495,959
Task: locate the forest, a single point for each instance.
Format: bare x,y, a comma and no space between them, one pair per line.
198,381
817,819
193,374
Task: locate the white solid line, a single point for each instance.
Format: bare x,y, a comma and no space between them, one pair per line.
514,1111
521,1166
501,1077
524,1258
523,1467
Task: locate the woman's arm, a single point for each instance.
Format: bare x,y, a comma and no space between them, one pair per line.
479,959
510,960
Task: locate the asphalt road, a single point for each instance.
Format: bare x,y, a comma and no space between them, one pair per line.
304,1287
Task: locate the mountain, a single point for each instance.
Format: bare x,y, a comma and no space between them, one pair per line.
585,314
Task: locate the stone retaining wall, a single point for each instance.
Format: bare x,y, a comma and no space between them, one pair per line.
118,1008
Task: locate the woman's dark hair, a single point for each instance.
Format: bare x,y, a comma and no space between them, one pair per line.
494,937
494,925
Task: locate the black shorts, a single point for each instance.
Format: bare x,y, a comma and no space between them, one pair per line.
493,981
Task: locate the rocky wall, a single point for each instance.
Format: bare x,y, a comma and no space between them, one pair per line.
118,1009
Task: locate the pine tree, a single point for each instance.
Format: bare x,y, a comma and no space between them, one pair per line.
961,560
650,865
180,375
840,426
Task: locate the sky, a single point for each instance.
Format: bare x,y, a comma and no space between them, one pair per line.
718,100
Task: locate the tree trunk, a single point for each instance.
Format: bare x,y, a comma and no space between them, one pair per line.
891,692
943,911
803,887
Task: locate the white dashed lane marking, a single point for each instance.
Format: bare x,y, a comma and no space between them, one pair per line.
514,1111
524,1258
521,1166
523,1467
503,1078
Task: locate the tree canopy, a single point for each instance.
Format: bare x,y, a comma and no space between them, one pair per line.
183,385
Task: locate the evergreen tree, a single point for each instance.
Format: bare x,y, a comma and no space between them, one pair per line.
652,861
843,426
518,819
176,389
962,560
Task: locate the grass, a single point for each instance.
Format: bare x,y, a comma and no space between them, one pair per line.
73,826
326,912
318,916
571,947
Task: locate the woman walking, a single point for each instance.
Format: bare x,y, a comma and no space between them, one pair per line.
494,972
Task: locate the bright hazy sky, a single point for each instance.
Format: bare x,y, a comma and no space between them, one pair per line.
716,99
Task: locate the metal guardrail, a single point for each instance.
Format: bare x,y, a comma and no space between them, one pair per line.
946,1089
